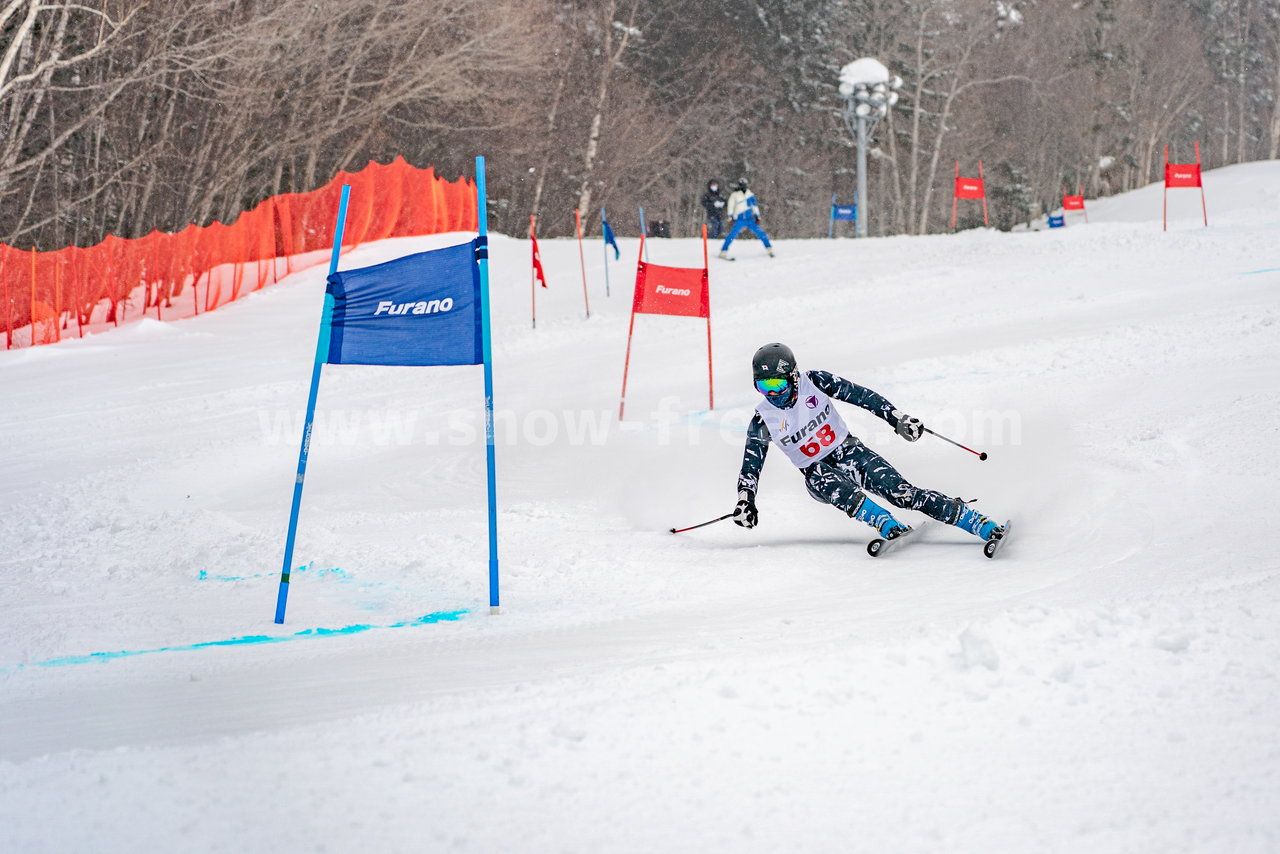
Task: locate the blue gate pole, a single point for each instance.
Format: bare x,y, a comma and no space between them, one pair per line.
831,222
643,232
603,220
322,355
486,339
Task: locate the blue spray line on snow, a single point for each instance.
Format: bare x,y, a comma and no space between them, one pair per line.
1256,272
247,640
337,573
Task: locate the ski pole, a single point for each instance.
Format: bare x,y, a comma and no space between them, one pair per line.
982,455
702,524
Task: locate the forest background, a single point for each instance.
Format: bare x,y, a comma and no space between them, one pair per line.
124,116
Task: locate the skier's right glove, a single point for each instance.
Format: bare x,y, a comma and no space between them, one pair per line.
744,513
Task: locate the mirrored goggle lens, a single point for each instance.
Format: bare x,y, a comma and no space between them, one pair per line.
772,385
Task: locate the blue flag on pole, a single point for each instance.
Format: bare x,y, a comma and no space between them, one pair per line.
609,238
421,309
844,213
431,308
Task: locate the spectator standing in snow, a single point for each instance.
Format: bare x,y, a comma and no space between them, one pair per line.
744,211
713,202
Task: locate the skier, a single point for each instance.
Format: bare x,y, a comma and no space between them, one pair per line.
713,202
797,413
744,211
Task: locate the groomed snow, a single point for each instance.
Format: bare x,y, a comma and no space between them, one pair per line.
1109,684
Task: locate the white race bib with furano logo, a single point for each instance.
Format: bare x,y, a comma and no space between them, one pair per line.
810,429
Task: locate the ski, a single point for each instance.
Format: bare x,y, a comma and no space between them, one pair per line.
879,547
992,547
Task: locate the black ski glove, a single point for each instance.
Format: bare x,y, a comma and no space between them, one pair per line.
909,427
744,513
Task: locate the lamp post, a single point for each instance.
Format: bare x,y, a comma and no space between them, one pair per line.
868,91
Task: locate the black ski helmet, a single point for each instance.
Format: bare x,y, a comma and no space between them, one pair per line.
773,360
777,360
742,185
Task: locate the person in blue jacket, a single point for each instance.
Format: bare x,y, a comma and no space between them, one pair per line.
744,212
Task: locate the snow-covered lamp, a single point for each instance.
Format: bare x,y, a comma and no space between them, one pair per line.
868,91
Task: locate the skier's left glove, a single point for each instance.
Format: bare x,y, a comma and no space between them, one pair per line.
744,513
909,427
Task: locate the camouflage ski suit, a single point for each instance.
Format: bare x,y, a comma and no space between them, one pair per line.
843,477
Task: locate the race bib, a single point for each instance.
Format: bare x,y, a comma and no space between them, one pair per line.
807,431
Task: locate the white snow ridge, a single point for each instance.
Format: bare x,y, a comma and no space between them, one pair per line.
1110,683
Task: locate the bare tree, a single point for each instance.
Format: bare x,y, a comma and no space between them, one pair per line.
615,36
121,116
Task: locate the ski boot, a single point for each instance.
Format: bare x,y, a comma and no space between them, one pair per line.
892,532
880,519
975,523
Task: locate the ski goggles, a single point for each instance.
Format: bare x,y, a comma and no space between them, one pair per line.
773,385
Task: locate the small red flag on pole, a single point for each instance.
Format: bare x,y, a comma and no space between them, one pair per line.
536,274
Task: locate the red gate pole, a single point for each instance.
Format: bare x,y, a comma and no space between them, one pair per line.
582,261
953,197
78,291
1204,208
159,283
1166,189
57,299
533,277
706,268
626,365
981,178
8,306
33,296
1080,192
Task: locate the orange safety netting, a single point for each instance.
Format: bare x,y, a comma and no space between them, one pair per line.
45,295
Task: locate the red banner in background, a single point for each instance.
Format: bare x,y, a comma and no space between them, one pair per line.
1182,175
680,291
969,188
74,287
1178,175
1074,203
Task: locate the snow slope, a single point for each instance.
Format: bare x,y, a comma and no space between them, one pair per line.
1109,684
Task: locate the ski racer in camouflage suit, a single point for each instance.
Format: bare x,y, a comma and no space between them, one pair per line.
798,414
